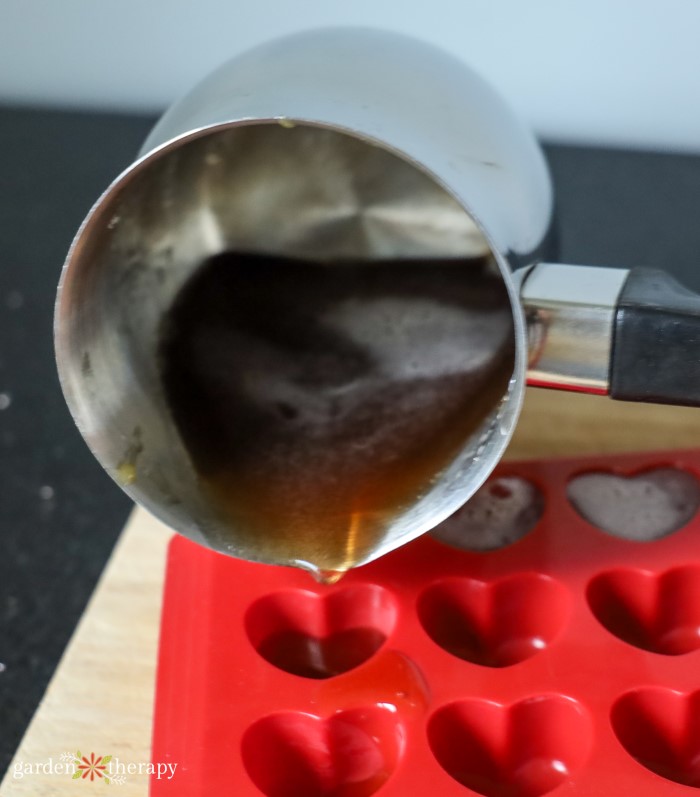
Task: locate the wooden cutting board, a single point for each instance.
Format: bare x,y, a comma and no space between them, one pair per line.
100,698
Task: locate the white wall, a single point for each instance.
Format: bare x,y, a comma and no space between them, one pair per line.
613,71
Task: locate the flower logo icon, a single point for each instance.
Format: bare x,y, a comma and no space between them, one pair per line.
94,767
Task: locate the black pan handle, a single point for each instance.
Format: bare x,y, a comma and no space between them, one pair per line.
656,341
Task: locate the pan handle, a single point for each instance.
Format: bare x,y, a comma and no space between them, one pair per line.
633,335
656,345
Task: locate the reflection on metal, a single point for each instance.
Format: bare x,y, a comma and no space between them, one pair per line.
570,314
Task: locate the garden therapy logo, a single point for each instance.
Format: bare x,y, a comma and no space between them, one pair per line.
92,767
107,769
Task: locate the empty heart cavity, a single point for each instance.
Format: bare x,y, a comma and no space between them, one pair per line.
319,636
494,624
661,729
350,754
521,750
503,511
656,612
641,507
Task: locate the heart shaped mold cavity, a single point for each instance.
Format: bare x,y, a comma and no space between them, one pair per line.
503,511
522,750
494,624
661,729
656,612
351,754
319,636
641,507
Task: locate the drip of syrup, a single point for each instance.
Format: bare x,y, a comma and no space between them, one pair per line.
328,577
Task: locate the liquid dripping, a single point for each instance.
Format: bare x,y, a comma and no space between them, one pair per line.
321,401
328,577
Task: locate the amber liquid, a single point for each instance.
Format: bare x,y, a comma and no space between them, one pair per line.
320,401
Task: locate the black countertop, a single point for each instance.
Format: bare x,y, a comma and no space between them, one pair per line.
59,513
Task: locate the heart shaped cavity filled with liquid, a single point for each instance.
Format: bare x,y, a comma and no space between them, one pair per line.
659,612
350,754
498,623
642,507
503,511
521,750
319,636
661,729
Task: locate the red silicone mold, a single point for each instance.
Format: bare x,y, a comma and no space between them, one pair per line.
565,662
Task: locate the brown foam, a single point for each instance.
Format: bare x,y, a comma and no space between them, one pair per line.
318,401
